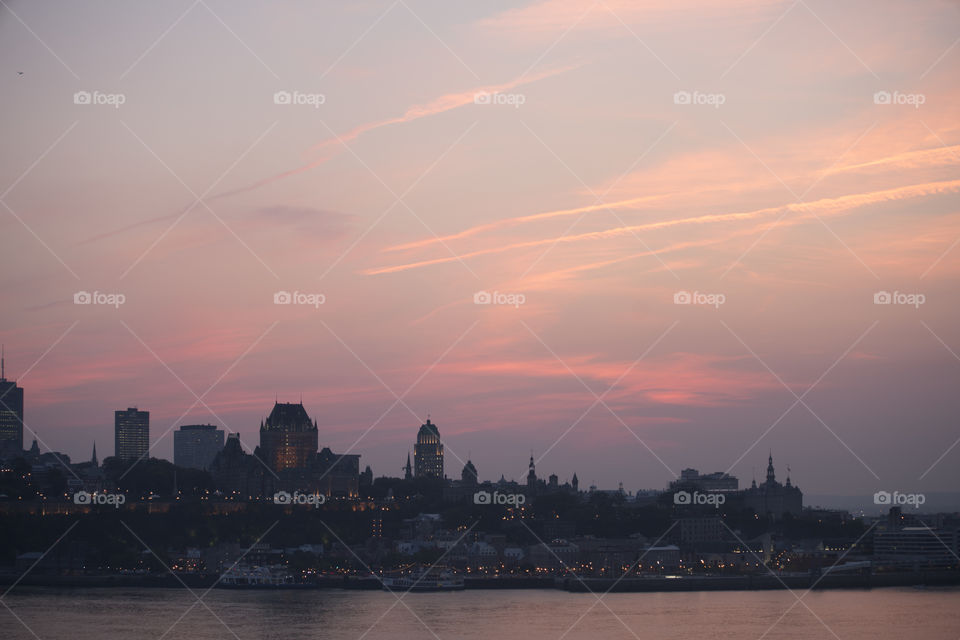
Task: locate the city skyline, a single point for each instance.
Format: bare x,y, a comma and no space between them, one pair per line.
620,249
254,440
539,319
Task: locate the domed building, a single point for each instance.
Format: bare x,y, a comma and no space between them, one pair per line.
428,452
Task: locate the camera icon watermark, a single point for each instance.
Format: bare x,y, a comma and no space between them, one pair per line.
298,297
99,499
111,299
911,99
685,498
297,498
897,499
497,98
314,100
497,498
114,100
714,100
898,297
496,297
710,299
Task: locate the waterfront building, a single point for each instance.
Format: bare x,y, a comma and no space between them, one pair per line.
916,547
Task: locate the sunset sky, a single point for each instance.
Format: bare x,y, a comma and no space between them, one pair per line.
590,159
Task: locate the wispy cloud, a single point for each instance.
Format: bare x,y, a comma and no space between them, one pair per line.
329,147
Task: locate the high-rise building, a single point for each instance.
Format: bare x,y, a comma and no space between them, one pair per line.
131,434
428,452
288,438
11,412
196,445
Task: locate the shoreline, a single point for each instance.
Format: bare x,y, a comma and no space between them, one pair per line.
570,585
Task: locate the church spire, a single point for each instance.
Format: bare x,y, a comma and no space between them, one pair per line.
93,459
771,476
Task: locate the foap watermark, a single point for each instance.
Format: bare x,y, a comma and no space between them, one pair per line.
898,297
497,498
510,99
299,297
696,97
711,299
497,297
97,297
911,99
111,499
685,498
299,98
897,499
99,98
298,498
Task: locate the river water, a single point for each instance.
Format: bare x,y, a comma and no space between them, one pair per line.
112,614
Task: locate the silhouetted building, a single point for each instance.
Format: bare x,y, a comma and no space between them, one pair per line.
131,434
238,473
286,460
11,414
335,474
196,445
366,478
469,474
532,477
428,452
772,498
288,437
717,481
408,470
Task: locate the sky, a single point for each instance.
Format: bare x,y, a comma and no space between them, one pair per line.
624,237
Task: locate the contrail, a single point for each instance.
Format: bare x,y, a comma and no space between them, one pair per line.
830,205
913,159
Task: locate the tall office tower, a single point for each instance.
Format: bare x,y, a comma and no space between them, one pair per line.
11,412
196,445
131,434
288,438
428,452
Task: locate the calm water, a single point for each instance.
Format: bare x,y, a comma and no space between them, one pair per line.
111,614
